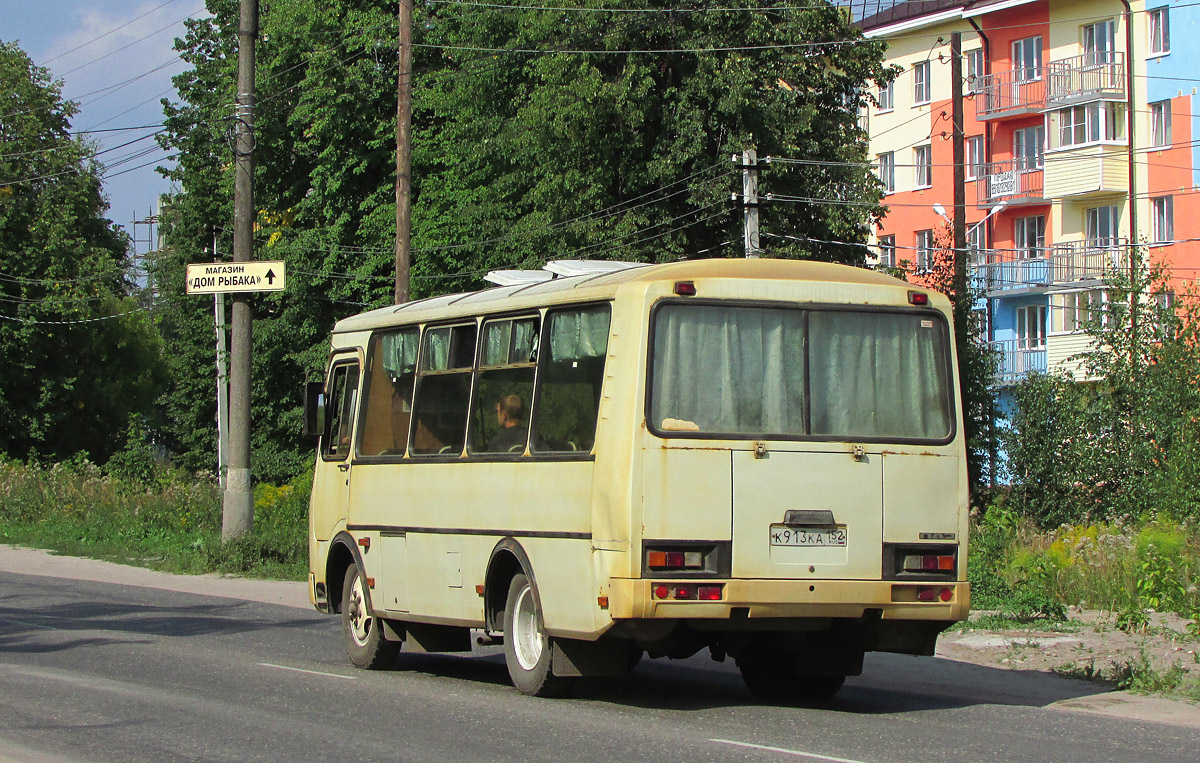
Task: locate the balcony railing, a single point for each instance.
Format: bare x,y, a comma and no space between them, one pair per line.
1086,77
1017,270
1017,358
1089,260
1011,181
1009,93
999,270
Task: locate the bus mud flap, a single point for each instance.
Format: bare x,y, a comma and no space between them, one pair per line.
591,659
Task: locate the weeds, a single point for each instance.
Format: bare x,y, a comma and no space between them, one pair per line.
141,514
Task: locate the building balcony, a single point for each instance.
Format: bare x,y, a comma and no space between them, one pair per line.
1090,171
1010,272
1013,271
1017,358
1010,182
1008,94
1078,262
1088,77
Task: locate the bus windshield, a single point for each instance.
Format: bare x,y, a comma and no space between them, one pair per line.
787,372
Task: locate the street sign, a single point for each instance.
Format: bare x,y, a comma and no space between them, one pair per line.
215,277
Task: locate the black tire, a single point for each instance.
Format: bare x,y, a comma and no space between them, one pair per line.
776,681
527,648
365,644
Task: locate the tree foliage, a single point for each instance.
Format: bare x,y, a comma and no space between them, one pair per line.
538,134
1126,441
80,355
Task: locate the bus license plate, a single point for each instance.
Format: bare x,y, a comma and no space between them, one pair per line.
812,537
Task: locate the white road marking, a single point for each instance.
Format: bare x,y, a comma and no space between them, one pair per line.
302,670
785,751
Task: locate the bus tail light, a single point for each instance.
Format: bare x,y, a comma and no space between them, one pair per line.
918,298
934,594
688,592
929,563
685,288
661,560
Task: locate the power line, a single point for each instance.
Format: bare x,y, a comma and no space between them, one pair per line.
106,34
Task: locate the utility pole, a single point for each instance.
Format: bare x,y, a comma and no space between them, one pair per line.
238,504
750,202
222,379
960,182
404,153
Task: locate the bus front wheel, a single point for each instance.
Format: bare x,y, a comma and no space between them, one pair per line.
527,648
364,639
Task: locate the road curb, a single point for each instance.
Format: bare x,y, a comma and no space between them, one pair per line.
33,561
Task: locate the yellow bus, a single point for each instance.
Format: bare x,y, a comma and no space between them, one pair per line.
762,458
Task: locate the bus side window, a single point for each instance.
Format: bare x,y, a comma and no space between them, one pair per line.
443,390
570,376
343,387
387,394
504,386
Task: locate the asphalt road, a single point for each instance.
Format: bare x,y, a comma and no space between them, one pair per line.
96,671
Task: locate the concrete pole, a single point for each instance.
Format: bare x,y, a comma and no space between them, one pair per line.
750,202
222,380
238,505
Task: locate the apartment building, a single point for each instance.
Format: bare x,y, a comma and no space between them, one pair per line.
1078,124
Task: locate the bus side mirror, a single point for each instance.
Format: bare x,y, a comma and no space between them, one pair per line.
314,408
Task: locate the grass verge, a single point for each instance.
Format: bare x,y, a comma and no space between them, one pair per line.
166,521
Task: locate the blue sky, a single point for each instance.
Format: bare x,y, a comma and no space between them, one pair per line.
116,59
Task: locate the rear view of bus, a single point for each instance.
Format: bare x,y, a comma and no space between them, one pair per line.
803,478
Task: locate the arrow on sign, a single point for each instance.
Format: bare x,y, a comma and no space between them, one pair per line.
270,277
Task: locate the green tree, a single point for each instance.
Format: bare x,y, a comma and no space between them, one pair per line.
1122,441
82,355
538,134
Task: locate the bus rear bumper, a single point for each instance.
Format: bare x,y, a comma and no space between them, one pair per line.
755,599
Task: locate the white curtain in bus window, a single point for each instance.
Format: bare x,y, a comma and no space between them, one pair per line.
570,378
504,387
443,391
878,375
728,370
391,373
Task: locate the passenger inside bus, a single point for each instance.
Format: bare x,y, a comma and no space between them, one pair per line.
511,437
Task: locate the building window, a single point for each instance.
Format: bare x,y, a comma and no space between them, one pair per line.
1029,236
1160,32
1100,225
976,254
886,97
1164,219
1099,43
924,251
1027,147
921,90
1071,311
923,162
1165,299
974,146
974,70
1093,122
887,171
1160,123
1027,59
1031,327
887,251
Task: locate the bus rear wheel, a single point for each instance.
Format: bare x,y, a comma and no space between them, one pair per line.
365,644
527,648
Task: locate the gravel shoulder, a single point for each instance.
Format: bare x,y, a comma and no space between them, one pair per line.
1089,640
